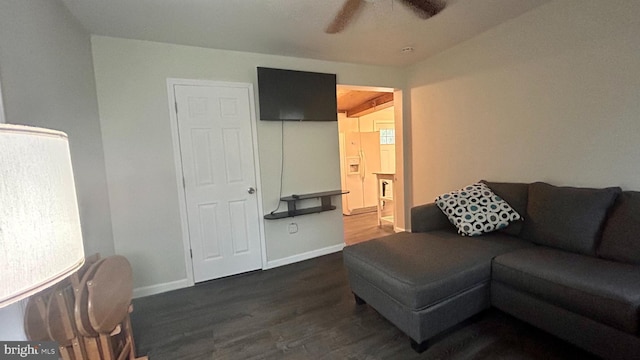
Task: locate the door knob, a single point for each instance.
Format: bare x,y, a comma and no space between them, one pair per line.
251,190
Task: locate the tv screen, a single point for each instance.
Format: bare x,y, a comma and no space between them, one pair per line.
297,95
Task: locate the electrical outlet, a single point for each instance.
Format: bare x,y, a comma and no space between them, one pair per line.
293,228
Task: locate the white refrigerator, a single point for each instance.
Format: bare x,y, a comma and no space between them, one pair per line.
361,158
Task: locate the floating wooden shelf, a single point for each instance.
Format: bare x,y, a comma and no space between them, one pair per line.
292,210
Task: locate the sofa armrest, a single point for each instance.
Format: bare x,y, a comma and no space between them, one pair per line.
429,217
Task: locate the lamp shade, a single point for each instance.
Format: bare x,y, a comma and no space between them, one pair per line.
40,235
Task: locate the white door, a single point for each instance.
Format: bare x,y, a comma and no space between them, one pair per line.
214,126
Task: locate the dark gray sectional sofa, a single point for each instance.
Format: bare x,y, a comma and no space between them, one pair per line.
572,268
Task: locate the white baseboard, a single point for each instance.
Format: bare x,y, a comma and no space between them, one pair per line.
179,284
160,288
399,229
304,256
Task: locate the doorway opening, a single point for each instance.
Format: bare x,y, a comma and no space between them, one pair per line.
370,138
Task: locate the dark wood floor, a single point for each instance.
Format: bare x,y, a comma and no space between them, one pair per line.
306,311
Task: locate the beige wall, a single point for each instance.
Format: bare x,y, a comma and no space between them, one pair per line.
551,95
134,113
47,80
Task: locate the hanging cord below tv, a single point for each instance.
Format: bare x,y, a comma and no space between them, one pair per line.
281,164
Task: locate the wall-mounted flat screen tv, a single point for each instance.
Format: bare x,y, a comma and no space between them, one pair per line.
289,95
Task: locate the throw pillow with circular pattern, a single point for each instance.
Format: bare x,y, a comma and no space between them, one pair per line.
476,210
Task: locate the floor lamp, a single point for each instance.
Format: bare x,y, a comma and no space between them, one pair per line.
40,235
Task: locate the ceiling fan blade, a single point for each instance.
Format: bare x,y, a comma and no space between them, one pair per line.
349,9
425,8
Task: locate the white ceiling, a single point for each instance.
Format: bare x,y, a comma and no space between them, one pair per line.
296,27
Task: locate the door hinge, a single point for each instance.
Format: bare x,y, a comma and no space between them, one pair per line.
176,104
191,253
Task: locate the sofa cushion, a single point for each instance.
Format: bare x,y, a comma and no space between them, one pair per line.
515,194
621,234
429,217
605,291
567,218
475,210
422,269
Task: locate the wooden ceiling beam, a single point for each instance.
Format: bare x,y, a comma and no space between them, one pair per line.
381,102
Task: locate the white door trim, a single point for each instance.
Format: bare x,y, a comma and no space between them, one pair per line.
173,117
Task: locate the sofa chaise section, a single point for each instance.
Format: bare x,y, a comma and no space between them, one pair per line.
426,282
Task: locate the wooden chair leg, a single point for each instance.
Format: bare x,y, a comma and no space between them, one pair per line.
125,353
79,352
129,337
92,348
106,347
65,354
65,299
